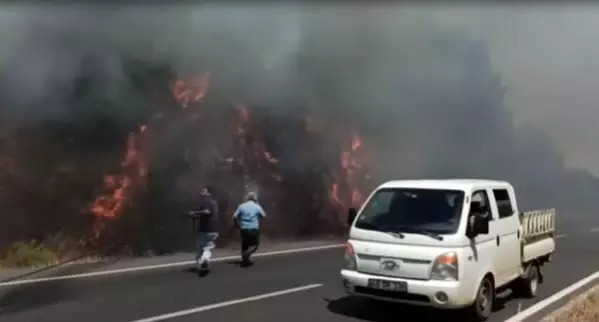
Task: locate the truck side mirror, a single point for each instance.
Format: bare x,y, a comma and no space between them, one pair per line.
351,215
478,224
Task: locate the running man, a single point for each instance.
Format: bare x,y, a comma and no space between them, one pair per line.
207,214
247,217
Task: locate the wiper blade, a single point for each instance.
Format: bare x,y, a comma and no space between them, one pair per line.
395,234
420,232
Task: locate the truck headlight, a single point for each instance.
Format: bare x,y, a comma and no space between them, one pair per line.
445,267
350,257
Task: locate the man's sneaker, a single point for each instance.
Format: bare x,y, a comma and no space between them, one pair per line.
203,269
246,263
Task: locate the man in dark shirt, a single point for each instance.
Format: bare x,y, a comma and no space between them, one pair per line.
206,213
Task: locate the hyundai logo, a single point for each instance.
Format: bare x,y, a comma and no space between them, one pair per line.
389,265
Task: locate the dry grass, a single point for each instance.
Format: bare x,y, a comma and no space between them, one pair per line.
56,249
584,308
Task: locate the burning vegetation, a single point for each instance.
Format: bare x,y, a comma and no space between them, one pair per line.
106,140
236,148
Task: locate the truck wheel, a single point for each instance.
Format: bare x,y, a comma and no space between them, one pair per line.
530,283
485,300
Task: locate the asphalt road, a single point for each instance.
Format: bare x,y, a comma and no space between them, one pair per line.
136,296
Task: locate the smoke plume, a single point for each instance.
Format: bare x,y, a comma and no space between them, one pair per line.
424,100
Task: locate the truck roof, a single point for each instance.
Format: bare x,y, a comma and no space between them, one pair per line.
450,184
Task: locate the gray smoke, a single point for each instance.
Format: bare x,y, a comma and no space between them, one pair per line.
426,97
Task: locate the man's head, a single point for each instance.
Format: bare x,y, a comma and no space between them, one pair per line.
252,196
206,191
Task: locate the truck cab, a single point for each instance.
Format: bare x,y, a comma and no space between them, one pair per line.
449,244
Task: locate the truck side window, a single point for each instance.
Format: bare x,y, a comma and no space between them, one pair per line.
480,202
504,204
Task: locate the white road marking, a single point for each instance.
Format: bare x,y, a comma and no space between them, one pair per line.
560,236
159,266
227,303
594,230
552,299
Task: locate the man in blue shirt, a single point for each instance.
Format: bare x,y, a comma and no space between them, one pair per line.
247,217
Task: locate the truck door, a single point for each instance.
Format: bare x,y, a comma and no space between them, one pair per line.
508,227
486,245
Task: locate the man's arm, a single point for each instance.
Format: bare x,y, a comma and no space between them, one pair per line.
214,208
236,216
198,213
262,212
237,212
211,209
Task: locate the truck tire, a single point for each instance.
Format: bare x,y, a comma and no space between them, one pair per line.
484,302
529,284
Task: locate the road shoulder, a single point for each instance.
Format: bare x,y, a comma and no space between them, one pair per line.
125,264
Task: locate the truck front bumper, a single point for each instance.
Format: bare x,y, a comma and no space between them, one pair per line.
438,294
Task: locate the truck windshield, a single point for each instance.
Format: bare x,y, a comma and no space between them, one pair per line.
409,210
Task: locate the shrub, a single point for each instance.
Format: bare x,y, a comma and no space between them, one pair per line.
32,253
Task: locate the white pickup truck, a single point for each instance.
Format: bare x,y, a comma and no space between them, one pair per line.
449,244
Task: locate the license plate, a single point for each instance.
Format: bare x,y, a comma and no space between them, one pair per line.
388,285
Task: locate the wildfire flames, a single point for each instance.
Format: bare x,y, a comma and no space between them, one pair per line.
121,186
351,162
192,90
253,159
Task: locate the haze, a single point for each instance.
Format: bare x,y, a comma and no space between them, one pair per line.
423,86
548,57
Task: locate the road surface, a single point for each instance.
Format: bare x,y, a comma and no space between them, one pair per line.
295,287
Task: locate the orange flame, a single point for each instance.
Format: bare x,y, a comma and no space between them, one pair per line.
191,90
351,163
123,186
250,139
244,127
120,187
